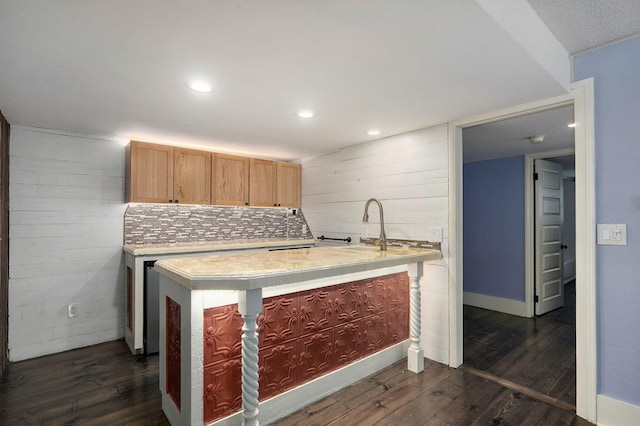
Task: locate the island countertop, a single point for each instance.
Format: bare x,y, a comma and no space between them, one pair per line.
248,271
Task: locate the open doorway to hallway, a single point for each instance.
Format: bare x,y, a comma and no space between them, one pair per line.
502,338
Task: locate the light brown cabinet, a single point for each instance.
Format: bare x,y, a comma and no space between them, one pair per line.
230,180
166,174
191,176
274,183
288,185
262,187
149,173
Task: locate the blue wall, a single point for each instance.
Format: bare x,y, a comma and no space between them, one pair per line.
616,72
494,227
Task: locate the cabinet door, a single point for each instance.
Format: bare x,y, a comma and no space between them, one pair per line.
149,173
262,189
191,176
288,185
230,180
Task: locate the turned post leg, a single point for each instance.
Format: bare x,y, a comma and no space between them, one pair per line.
250,305
415,355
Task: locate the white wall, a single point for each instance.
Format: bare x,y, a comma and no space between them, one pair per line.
66,232
408,173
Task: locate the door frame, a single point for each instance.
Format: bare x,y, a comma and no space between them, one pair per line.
581,95
529,224
4,244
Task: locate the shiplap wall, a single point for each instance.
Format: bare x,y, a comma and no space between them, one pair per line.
409,174
66,227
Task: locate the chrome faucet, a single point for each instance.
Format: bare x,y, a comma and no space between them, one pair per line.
365,219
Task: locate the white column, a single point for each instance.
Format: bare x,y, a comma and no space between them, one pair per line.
415,355
250,305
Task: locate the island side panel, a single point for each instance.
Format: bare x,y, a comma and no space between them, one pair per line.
189,409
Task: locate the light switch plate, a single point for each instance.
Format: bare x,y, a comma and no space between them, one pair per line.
435,235
612,234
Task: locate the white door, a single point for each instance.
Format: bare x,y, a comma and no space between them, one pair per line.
548,239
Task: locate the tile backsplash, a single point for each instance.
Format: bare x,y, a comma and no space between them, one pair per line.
175,223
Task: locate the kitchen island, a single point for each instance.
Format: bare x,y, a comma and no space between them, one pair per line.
330,316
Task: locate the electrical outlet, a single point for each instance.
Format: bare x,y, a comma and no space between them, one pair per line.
72,310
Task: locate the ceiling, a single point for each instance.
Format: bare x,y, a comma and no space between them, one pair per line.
120,69
511,137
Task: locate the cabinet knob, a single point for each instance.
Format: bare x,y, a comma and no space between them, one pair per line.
246,204
176,201
171,201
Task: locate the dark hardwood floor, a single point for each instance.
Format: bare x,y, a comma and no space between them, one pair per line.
99,385
105,385
538,353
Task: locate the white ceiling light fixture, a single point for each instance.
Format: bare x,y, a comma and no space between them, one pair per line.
536,139
306,113
572,125
200,86
373,132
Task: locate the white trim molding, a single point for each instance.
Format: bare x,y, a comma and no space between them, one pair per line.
581,96
498,304
613,412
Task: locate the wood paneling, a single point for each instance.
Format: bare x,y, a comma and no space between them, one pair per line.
67,207
4,242
230,180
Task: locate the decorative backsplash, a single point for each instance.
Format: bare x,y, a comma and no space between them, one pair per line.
175,223
391,242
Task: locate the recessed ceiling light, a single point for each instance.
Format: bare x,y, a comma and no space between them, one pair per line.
200,86
373,132
305,113
571,125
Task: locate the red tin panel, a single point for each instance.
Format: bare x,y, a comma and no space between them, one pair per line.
317,355
173,351
398,290
351,299
316,310
278,369
377,293
374,334
129,298
222,389
348,344
222,331
278,321
397,325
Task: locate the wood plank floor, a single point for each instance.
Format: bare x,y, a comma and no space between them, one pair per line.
105,385
538,353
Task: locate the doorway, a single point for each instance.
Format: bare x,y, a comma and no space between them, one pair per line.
581,96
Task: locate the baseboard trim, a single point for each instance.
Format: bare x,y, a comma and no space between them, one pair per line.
613,412
498,304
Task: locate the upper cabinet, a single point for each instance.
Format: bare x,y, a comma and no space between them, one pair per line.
230,186
263,183
166,174
191,176
274,183
288,186
149,173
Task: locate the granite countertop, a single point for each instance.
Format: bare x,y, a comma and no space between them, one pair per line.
195,247
246,271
